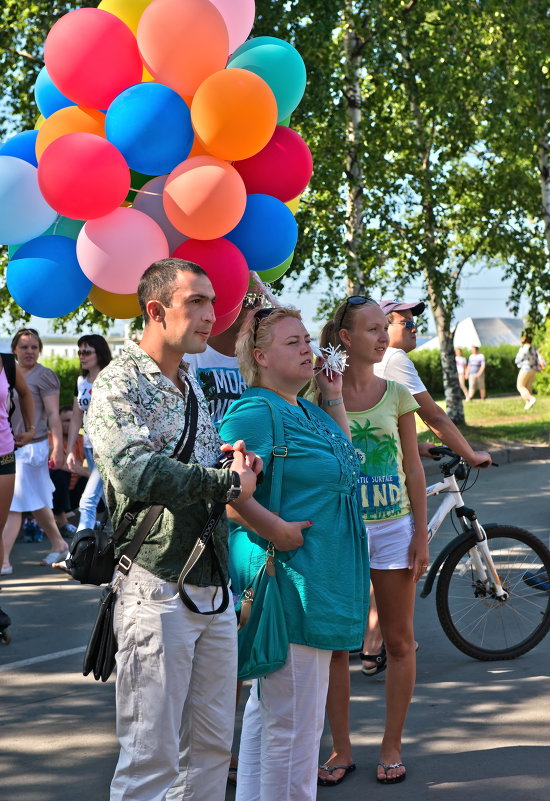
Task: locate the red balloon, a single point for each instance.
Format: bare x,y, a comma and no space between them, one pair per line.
226,267
92,56
223,321
282,168
83,176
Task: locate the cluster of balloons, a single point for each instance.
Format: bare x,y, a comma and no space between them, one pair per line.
162,131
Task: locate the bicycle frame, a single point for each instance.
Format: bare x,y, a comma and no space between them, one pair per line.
480,555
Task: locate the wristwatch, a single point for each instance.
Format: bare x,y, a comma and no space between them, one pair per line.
235,489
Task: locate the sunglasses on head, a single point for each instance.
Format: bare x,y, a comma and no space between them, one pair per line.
260,315
355,300
85,351
408,324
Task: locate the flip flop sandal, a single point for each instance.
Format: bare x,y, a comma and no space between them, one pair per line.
395,780
330,769
380,663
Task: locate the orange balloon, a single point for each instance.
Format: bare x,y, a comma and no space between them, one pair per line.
39,122
234,112
72,119
121,307
204,197
198,148
181,44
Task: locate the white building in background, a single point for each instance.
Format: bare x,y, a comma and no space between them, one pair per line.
482,331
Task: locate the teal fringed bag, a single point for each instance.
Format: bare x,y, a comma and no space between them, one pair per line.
263,637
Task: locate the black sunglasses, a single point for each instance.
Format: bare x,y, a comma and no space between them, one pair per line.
260,315
85,352
356,300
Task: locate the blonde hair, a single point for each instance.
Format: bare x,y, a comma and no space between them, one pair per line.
330,333
256,333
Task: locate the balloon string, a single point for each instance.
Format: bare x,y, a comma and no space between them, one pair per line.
146,192
264,288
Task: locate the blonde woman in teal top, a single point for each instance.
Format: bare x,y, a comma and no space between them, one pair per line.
324,581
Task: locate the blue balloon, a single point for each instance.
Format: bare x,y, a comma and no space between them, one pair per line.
151,126
48,97
266,234
24,213
45,279
21,146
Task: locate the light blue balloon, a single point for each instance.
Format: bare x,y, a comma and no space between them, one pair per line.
45,278
62,226
47,96
24,213
21,146
266,234
151,126
281,67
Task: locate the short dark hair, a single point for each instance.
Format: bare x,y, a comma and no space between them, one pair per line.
23,332
101,347
65,408
157,282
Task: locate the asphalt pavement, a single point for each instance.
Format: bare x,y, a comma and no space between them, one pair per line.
475,730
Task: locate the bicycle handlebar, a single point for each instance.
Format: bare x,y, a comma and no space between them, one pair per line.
439,451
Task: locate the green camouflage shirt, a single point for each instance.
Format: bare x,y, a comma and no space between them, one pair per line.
135,421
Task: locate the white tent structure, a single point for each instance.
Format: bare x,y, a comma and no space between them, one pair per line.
482,331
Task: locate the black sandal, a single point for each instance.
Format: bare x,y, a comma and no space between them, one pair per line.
380,663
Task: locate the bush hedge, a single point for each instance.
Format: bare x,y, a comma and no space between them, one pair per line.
501,371
67,370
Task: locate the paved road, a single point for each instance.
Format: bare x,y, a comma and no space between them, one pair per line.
476,730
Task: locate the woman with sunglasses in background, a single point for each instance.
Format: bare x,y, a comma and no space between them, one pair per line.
283,721
392,493
94,354
33,490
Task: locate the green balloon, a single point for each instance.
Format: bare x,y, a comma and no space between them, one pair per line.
268,276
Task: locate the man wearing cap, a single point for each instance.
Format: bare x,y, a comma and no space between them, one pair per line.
397,366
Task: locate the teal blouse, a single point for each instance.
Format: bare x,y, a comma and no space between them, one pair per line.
324,583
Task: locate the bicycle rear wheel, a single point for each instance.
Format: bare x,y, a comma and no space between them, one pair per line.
474,619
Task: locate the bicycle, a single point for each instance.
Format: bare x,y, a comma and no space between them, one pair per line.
492,596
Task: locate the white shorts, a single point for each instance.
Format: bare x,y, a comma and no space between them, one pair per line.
389,542
33,485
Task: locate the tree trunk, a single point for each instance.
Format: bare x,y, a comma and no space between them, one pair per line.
544,177
354,173
451,387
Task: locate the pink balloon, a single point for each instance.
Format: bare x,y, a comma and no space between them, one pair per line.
149,201
114,251
238,16
92,56
83,176
224,264
225,320
282,168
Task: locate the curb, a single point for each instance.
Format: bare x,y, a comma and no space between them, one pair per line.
503,455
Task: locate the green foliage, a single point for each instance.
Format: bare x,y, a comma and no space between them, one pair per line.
501,371
67,370
542,381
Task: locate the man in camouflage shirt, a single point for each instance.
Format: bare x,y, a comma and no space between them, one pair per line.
176,669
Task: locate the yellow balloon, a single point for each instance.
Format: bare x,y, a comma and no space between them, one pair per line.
293,204
129,11
121,307
39,122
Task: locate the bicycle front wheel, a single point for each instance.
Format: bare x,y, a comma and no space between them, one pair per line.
474,618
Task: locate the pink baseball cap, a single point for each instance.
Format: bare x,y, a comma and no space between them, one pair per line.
389,306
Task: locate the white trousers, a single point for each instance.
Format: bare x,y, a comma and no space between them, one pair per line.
282,729
175,691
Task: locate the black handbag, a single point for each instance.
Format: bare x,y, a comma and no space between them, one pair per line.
101,651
